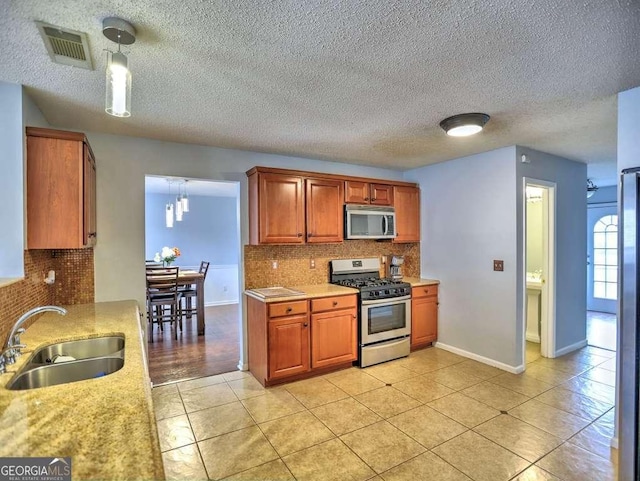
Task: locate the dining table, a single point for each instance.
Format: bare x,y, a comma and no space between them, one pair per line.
188,277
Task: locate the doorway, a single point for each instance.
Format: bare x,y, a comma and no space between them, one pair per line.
208,230
539,269
602,275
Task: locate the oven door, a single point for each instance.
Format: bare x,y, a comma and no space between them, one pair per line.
385,319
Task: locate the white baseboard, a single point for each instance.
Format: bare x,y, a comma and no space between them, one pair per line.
482,359
533,338
571,348
220,303
614,443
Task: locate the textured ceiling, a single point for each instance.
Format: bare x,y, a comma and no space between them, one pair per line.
360,81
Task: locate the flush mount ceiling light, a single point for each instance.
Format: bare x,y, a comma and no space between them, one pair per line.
591,188
118,98
463,125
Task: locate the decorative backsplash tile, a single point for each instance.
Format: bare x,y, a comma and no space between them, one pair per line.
294,262
74,284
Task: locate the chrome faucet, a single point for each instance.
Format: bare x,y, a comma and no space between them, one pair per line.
11,348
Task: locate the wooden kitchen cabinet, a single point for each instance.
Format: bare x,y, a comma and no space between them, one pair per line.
276,209
285,342
334,331
288,346
61,190
356,192
406,201
324,210
424,315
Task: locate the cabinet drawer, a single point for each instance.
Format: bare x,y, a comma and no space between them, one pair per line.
424,291
329,303
287,308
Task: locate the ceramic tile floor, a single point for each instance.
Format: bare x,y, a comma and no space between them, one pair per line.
434,415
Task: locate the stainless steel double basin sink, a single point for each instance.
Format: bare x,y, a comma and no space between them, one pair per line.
70,361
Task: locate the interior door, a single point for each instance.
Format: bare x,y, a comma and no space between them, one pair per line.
602,268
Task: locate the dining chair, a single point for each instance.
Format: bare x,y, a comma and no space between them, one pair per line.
188,293
163,298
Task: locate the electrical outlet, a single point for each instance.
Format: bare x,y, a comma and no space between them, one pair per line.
312,263
274,264
498,265
382,259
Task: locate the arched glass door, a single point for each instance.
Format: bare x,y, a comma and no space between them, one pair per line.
603,265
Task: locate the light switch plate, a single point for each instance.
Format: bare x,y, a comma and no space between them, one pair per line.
498,265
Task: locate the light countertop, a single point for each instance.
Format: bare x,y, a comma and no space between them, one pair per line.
310,292
107,425
418,281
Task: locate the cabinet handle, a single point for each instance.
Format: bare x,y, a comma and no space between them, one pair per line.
373,200
366,198
335,303
289,309
299,234
305,324
309,234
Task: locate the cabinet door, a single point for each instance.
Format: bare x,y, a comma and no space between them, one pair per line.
334,337
89,186
356,192
288,346
281,209
54,193
407,205
424,320
381,194
325,215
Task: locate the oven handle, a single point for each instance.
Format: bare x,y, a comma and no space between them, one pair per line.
388,300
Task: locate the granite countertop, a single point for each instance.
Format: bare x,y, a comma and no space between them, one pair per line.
310,292
418,281
107,425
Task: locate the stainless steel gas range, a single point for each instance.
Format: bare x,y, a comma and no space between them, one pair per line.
384,309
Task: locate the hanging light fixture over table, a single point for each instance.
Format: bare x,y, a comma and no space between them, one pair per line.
591,188
118,96
463,125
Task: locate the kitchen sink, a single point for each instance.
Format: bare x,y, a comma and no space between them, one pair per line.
80,349
65,372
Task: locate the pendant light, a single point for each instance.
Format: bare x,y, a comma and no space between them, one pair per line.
591,188
168,210
179,207
185,199
168,217
463,125
118,95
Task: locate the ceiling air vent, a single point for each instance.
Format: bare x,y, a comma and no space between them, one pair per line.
65,46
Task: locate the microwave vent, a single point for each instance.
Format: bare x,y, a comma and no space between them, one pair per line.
66,46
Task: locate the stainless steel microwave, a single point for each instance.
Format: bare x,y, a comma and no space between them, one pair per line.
369,222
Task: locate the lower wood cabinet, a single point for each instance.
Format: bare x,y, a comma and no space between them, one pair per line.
424,315
288,346
334,337
294,339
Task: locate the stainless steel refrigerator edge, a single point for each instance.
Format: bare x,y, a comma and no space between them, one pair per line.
628,331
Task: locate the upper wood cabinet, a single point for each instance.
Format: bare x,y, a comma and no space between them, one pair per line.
296,207
356,192
406,201
325,212
61,190
276,209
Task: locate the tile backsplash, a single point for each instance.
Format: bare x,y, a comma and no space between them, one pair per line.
74,283
294,261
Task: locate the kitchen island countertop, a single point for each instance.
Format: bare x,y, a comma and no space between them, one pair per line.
106,425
